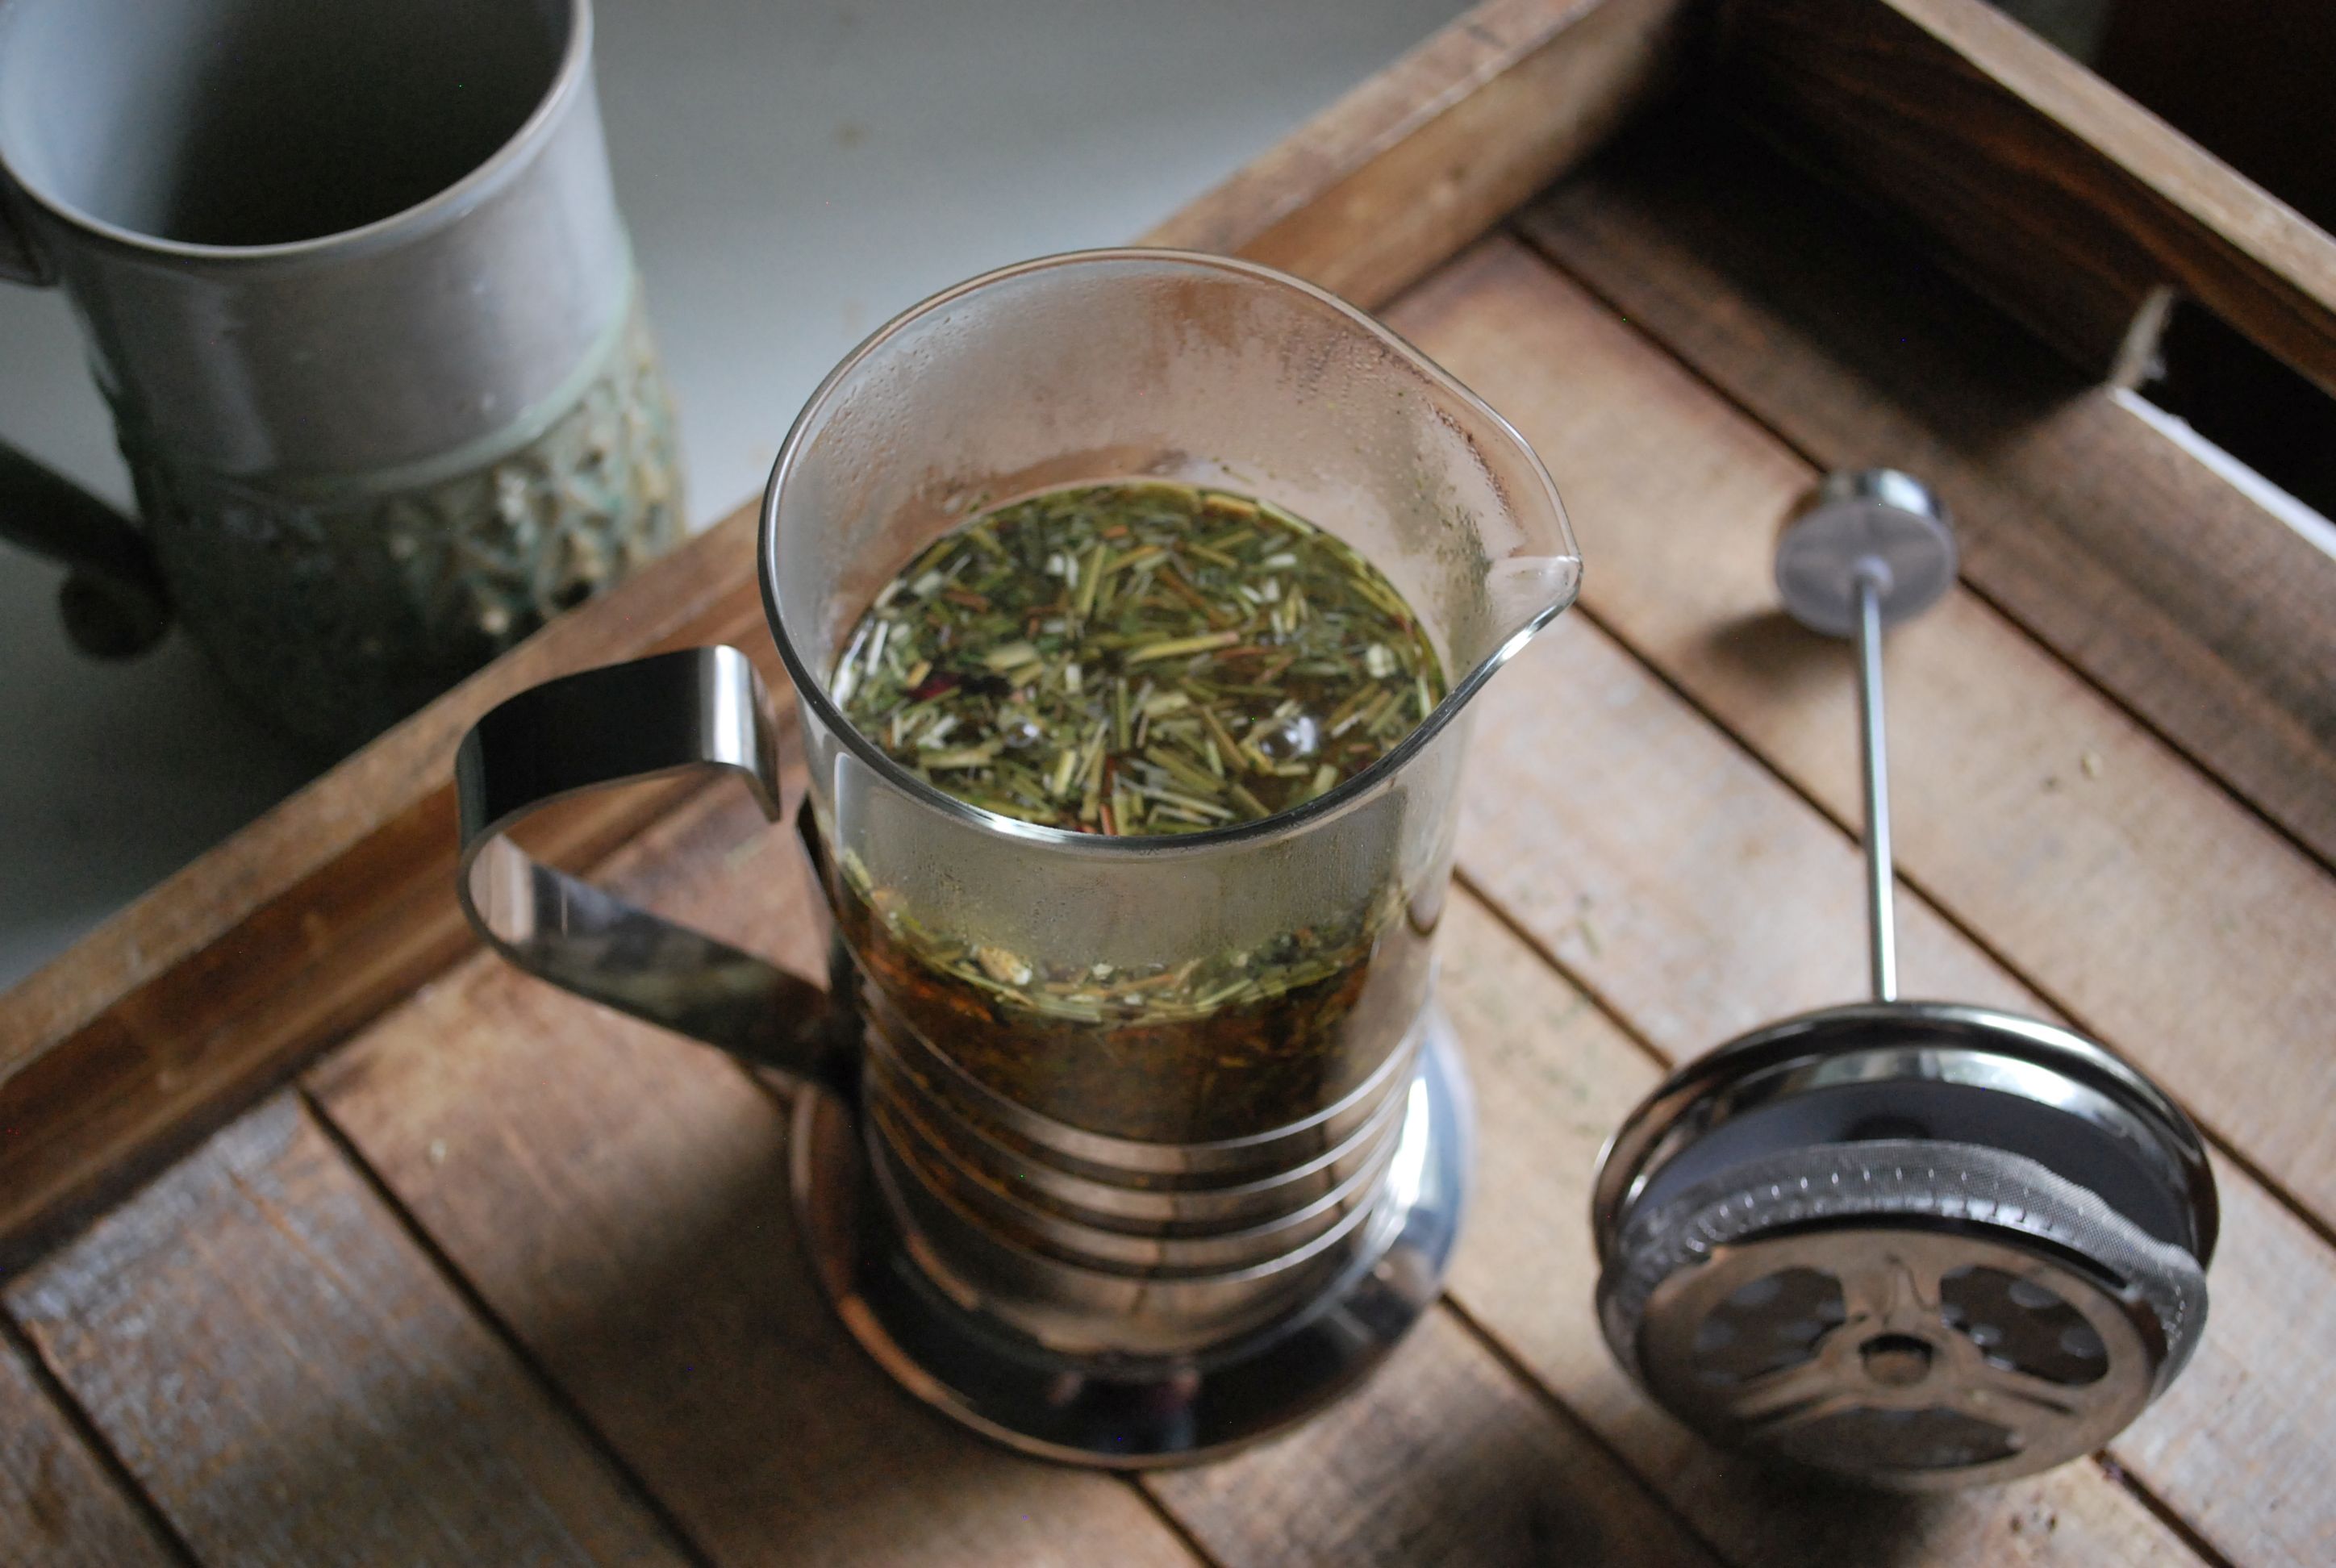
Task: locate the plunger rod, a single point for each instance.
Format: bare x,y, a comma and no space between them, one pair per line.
1882,921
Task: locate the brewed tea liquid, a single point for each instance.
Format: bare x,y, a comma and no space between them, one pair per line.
1138,659
1143,658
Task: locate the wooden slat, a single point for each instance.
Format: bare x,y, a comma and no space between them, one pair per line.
2064,198
2161,581
292,1381
1400,174
1442,1458
189,1004
2241,1444
58,1506
2122,883
1699,897
618,1197
2239,78
1554,1077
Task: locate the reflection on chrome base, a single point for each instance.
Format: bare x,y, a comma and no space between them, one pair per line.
1123,1411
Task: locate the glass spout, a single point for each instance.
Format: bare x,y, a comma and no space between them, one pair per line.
1484,551
1499,561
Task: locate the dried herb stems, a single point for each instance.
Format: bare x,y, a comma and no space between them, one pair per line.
1137,657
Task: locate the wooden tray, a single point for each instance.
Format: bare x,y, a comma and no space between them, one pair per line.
443,1266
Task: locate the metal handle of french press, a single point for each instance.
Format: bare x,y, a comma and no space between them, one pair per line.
696,710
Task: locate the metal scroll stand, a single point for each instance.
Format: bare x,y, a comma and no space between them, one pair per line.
1919,1244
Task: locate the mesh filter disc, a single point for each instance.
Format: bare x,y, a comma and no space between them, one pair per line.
1918,1243
1912,1312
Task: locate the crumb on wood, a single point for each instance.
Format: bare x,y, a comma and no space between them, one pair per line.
1587,927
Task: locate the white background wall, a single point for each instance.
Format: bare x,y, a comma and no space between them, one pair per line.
793,174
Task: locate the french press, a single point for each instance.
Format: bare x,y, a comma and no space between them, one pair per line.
1919,1244
1098,1236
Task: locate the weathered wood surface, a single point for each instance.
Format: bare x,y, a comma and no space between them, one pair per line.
2166,584
530,1290
1693,920
1555,1074
59,1508
2119,881
1445,1459
2071,204
1694,895
1388,183
2239,78
292,1382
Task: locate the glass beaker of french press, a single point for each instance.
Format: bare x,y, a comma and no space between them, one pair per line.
1121,1149
1918,1244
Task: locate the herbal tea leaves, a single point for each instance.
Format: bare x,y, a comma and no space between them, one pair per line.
1141,658
1228,1044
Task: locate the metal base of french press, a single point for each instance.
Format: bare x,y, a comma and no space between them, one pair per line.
1128,1413
1916,1244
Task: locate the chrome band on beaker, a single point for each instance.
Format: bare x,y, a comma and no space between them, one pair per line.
1089,1257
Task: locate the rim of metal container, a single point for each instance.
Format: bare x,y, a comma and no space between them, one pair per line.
1636,1152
